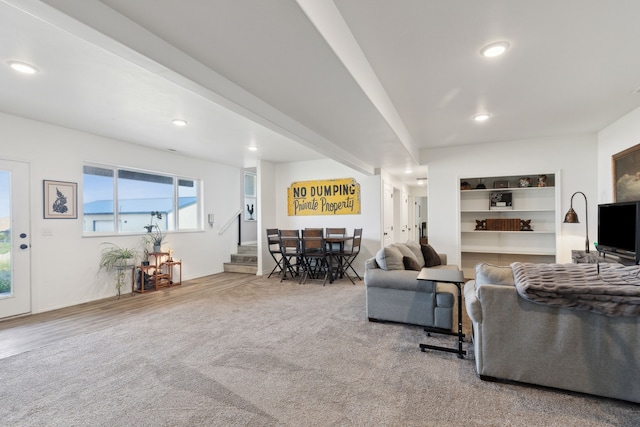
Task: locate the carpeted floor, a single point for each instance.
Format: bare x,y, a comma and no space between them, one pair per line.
273,354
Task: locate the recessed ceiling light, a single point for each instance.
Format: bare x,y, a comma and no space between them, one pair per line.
253,148
494,49
23,67
408,171
179,122
483,117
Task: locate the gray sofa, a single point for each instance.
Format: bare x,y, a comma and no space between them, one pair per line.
516,339
395,295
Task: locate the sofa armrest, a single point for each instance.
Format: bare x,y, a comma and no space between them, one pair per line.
443,258
474,309
370,264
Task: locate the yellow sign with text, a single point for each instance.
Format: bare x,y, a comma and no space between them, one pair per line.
324,197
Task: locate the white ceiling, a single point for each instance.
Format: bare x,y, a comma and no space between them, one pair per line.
368,83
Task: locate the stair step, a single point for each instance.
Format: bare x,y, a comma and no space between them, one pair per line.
248,249
244,259
240,268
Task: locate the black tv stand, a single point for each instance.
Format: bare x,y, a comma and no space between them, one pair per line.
582,257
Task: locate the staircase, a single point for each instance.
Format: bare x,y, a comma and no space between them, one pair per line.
245,261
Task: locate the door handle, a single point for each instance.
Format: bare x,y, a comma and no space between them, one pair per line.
23,246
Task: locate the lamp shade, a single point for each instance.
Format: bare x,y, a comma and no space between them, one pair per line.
571,217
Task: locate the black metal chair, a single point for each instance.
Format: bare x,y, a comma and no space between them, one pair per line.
335,232
291,252
335,238
315,260
313,232
273,242
350,252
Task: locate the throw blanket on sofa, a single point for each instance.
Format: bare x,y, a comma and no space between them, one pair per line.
614,290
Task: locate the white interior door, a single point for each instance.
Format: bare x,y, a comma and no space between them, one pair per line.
388,215
15,263
404,217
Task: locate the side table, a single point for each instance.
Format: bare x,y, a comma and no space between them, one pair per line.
160,273
170,264
455,277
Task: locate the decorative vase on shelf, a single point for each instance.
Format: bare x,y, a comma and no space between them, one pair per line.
156,248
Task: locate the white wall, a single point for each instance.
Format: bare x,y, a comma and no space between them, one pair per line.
574,157
370,202
64,266
620,135
267,216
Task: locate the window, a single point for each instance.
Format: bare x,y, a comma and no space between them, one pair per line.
250,196
136,194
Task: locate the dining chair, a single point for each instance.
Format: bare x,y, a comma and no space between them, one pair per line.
315,259
338,232
313,232
273,243
335,248
335,232
350,253
291,252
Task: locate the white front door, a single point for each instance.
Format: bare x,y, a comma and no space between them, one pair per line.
15,263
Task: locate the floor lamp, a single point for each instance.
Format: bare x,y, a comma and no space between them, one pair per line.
572,218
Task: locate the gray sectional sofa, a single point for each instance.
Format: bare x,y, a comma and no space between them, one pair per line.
394,294
520,340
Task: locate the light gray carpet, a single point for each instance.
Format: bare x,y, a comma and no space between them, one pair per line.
273,354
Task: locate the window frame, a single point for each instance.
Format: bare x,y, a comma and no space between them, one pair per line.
175,205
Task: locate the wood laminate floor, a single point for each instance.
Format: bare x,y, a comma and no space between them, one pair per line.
25,333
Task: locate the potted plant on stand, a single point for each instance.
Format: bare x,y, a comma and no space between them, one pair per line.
145,242
154,233
114,257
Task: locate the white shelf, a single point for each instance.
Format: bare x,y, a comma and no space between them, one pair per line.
537,204
505,210
509,232
495,190
504,250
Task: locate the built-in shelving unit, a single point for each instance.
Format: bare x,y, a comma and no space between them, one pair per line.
533,243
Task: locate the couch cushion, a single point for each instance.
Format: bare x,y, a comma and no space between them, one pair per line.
489,274
415,248
411,263
390,258
431,257
405,251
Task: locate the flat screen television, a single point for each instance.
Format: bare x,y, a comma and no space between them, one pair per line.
618,229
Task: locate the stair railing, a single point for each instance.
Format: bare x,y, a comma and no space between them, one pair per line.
237,215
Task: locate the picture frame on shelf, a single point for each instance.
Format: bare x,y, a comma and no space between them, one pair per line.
60,199
626,170
500,201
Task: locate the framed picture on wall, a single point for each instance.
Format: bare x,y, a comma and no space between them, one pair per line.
60,199
626,175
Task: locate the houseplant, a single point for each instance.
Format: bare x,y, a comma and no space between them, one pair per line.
154,233
114,257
